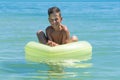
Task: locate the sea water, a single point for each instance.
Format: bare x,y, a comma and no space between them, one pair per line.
95,22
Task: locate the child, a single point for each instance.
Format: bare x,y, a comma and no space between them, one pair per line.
56,33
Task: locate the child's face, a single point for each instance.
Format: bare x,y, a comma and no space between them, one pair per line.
55,20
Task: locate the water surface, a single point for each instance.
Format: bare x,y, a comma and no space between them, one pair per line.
95,22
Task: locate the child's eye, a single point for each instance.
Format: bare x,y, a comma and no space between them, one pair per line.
56,19
51,20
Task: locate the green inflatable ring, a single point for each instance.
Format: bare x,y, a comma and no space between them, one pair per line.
37,52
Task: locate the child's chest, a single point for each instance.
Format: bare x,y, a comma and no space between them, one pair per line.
57,36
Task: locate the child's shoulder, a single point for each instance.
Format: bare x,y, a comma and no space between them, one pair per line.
49,28
64,28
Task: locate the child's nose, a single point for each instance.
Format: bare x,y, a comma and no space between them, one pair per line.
54,21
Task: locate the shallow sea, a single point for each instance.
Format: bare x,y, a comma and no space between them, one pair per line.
95,22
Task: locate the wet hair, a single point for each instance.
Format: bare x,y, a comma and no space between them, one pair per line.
54,9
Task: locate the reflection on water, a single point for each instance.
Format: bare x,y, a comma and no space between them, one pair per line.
57,71
42,71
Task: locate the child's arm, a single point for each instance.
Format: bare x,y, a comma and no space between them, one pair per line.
66,37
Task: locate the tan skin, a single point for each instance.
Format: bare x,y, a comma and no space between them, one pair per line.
57,33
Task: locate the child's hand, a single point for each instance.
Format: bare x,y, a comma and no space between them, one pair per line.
51,43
